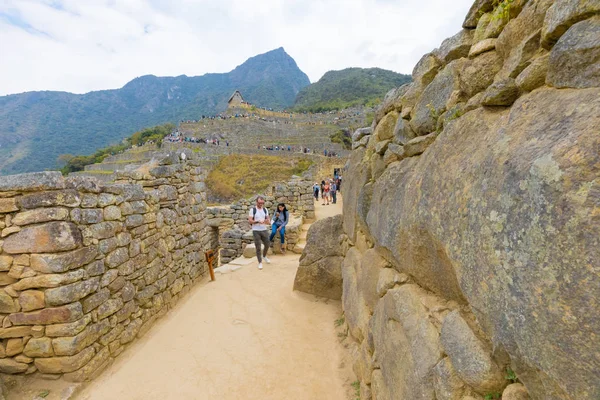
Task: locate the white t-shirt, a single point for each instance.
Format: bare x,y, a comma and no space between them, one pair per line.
261,216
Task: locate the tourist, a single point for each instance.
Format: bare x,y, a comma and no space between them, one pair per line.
326,189
259,219
278,223
316,188
333,191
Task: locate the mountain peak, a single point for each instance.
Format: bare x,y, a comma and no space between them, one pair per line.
48,124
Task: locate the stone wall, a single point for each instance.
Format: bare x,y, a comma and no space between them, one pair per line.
86,268
232,220
471,215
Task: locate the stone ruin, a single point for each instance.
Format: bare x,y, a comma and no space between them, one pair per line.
87,267
472,219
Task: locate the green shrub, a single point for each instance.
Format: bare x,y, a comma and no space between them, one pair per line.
74,163
343,137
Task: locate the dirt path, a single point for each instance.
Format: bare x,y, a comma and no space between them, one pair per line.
245,336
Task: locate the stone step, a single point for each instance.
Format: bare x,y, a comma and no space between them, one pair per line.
305,227
299,247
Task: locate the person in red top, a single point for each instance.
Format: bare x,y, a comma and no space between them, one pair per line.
326,193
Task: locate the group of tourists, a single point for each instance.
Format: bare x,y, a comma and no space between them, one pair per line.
220,117
328,189
300,149
260,220
277,148
330,153
177,137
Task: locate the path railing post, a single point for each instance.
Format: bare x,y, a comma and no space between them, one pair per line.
210,258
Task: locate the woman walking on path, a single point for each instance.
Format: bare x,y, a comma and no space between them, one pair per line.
278,223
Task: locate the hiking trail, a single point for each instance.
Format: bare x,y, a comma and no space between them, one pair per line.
246,335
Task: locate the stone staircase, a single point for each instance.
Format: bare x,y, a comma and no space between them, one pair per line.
299,247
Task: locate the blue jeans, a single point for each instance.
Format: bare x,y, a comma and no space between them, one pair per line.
274,231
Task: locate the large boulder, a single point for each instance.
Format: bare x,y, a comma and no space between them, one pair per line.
355,309
534,75
518,30
390,102
436,98
575,59
46,238
478,73
500,213
407,343
360,172
426,69
320,270
478,8
471,356
455,47
562,15
385,127
516,391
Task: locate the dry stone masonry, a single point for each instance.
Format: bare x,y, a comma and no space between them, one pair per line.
472,215
86,268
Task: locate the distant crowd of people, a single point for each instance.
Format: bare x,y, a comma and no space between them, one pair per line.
178,137
220,117
328,189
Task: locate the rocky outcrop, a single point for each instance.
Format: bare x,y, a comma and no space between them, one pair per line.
320,271
473,226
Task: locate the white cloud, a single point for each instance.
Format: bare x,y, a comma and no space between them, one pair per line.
83,45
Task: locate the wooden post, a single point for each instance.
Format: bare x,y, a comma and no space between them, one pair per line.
210,258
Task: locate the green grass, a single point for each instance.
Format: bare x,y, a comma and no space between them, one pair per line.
511,376
343,137
356,386
492,396
240,176
339,322
369,118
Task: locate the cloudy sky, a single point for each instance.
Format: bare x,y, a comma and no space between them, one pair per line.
83,45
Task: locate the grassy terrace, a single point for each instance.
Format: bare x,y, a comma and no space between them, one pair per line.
239,176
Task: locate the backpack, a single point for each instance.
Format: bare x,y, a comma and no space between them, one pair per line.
254,212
